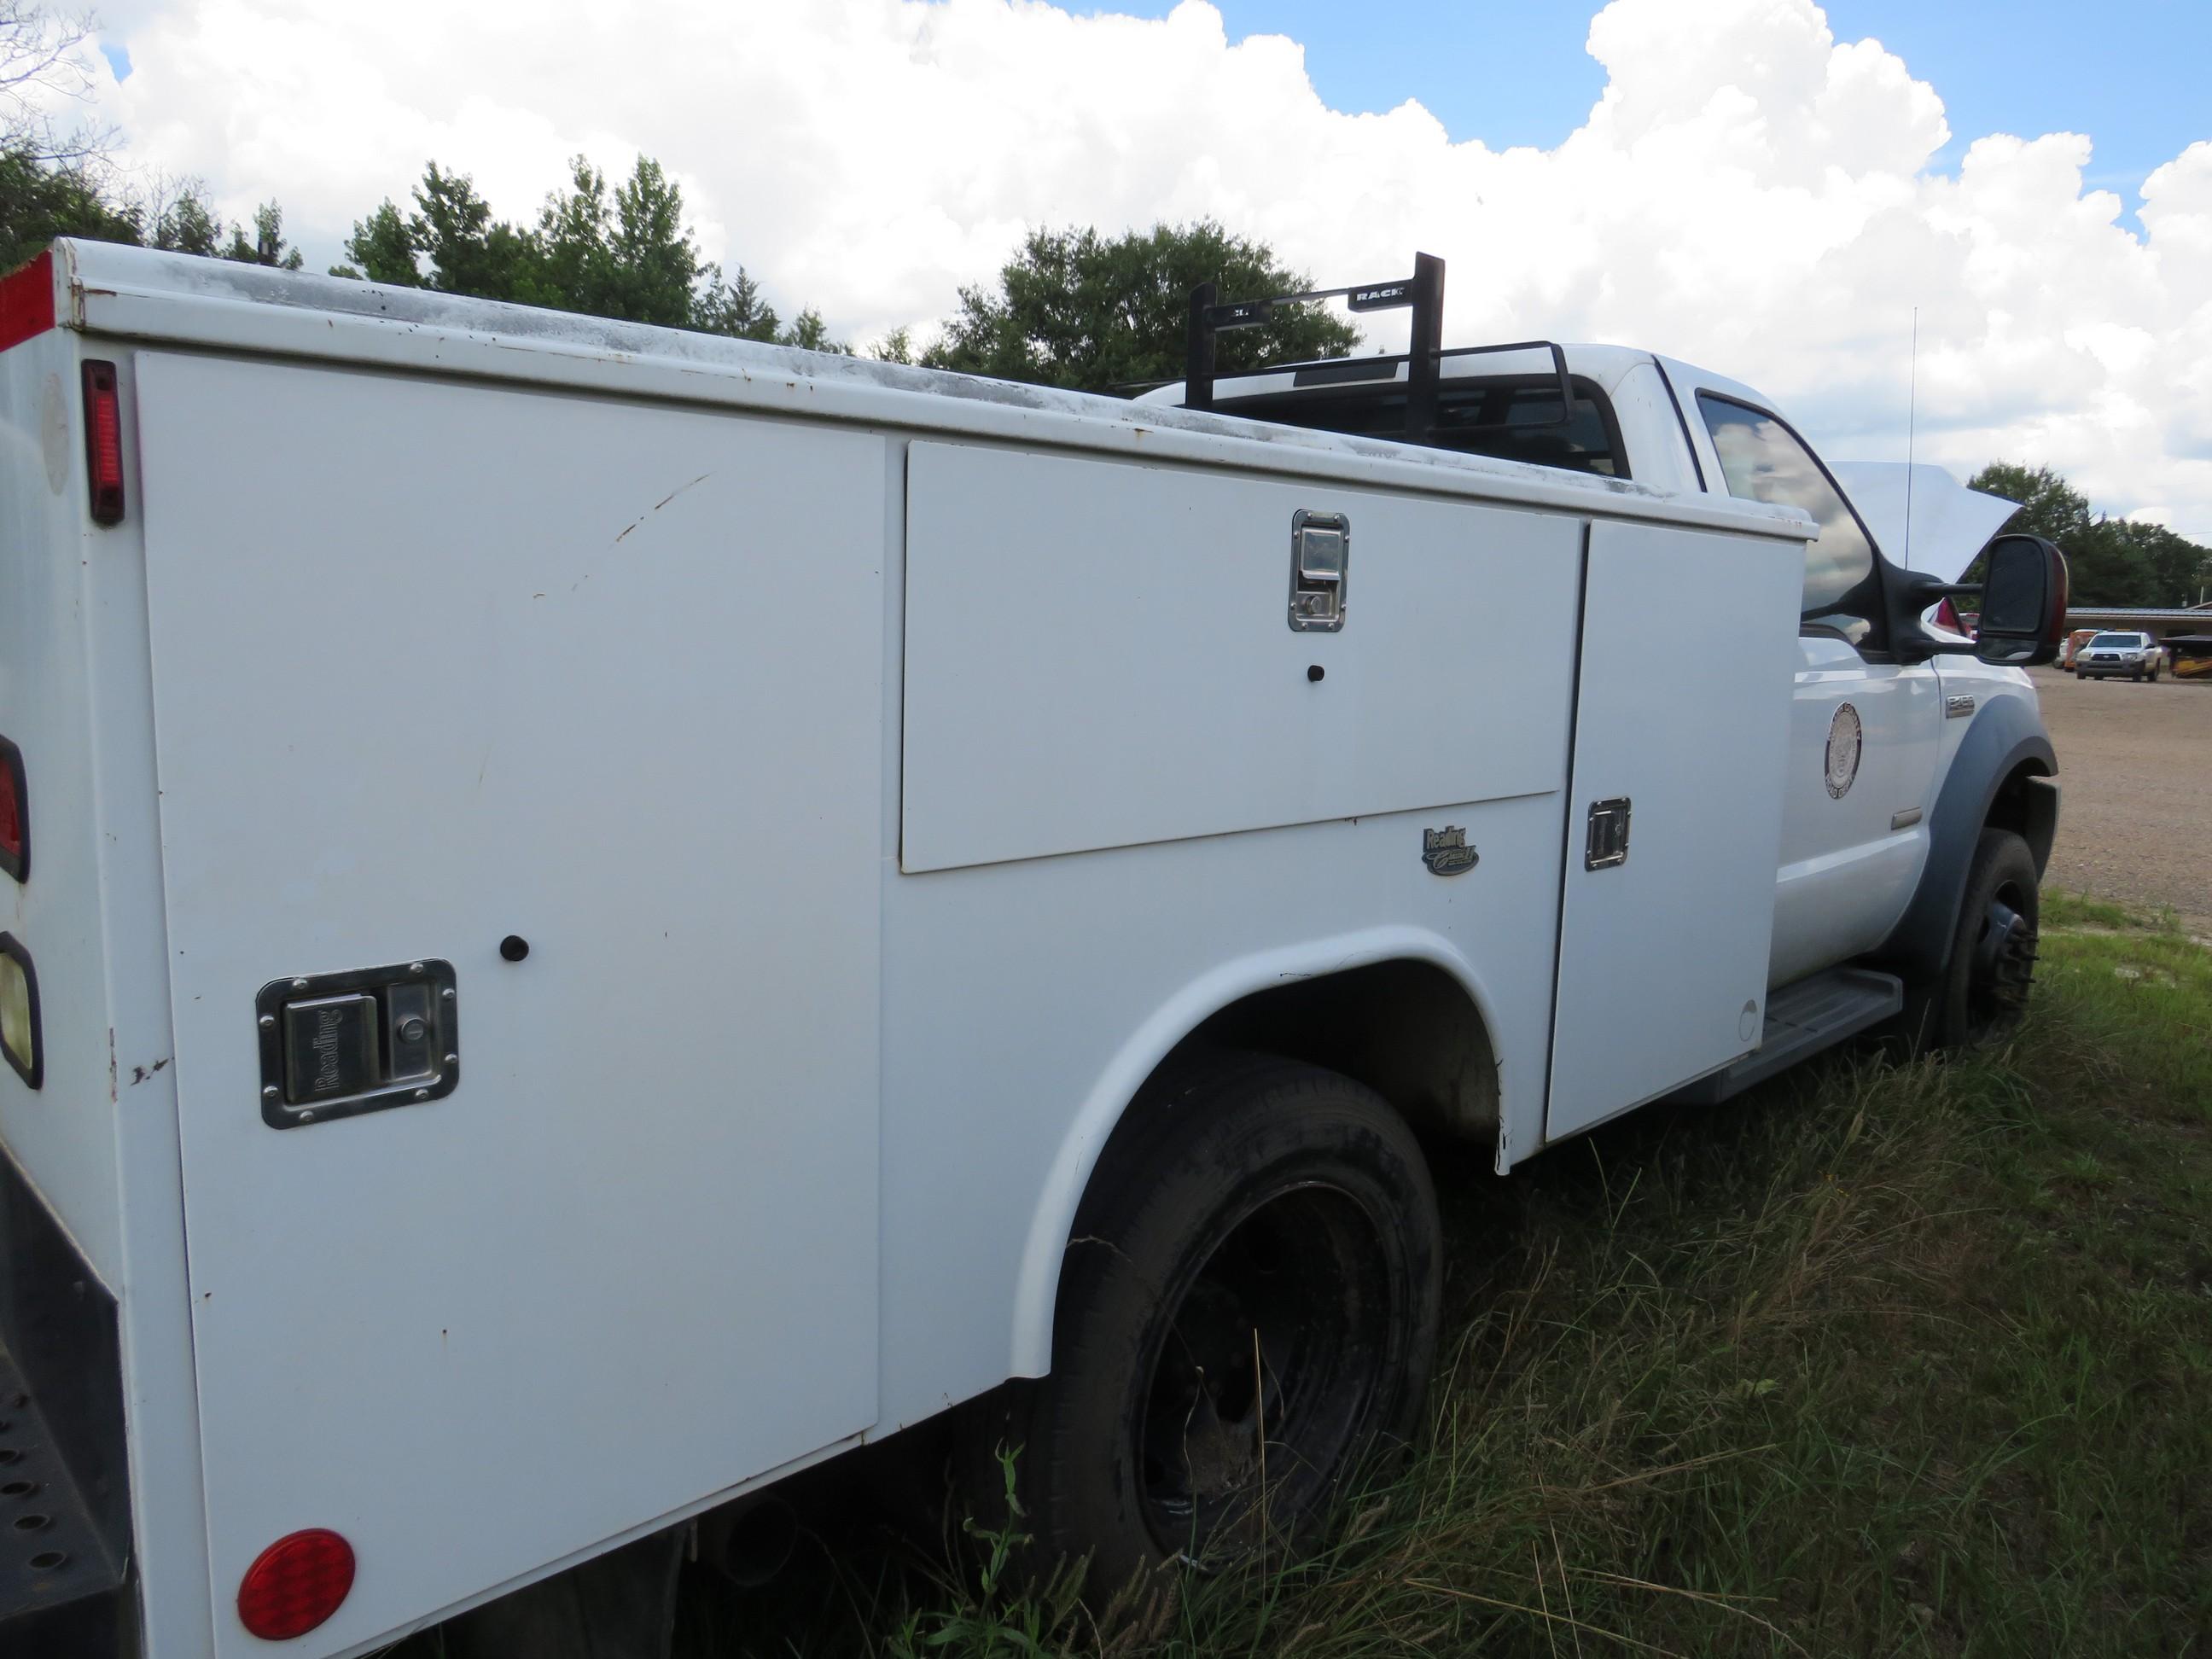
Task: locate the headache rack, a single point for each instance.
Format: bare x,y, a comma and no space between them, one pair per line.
1423,292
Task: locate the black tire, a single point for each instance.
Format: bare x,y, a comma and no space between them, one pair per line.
1981,992
1257,1274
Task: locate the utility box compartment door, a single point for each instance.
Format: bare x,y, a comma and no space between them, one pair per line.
436,664
1101,653
1674,816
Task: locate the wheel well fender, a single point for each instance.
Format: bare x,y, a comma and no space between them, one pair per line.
1398,1008
2000,776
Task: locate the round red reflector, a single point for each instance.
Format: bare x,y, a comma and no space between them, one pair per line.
294,1584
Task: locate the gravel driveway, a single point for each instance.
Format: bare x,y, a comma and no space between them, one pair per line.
2135,770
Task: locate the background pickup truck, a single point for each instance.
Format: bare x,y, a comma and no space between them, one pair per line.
2136,655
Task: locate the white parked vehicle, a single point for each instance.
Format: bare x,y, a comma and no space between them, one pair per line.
2136,655
596,916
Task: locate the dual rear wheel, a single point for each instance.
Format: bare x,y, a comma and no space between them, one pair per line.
1248,1316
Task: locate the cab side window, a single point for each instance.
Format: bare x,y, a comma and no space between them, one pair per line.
1763,460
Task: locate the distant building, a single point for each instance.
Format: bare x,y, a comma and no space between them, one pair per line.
2159,622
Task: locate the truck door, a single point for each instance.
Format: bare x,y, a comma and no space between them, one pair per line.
1674,816
1865,730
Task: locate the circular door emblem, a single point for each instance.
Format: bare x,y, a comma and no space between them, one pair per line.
1843,742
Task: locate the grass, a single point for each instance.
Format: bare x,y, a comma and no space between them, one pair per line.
1879,1360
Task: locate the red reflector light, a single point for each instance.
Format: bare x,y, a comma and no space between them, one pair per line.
295,1585
103,442
15,813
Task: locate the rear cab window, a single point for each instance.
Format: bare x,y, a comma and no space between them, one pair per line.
1763,460
1510,417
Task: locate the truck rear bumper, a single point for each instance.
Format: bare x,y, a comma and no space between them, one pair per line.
64,1509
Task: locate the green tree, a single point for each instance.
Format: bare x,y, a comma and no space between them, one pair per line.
2109,561
470,252
576,262
896,347
809,333
382,249
184,223
734,307
656,264
1078,309
2049,506
267,246
40,201
605,250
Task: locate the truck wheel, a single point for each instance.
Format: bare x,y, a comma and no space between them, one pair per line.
1981,992
1248,1311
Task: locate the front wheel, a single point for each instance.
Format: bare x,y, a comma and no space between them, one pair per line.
1980,993
1248,1310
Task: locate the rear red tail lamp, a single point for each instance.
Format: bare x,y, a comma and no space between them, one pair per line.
15,813
103,442
295,1585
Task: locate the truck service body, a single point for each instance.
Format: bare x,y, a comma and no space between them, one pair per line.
592,896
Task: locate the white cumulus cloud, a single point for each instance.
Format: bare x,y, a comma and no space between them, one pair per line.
1748,192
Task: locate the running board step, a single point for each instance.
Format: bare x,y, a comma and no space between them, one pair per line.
1801,1019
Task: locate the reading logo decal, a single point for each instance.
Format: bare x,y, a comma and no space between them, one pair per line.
1446,853
1843,745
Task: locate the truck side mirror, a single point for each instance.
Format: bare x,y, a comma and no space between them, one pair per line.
2022,597
2023,601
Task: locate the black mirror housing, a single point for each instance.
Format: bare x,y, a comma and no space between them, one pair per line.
2022,599
2023,621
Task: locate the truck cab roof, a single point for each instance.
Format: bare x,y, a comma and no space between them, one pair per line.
1498,402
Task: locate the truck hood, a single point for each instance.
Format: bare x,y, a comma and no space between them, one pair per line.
1950,523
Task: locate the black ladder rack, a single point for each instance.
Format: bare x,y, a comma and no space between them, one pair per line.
1423,291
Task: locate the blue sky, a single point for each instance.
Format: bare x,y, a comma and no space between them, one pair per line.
2135,75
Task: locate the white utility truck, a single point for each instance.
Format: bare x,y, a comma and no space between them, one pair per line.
595,916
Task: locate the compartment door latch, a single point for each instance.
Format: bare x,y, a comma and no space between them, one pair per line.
336,1045
1607,847
1321,551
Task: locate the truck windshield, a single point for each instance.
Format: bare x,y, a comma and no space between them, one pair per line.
1514,418
2116,642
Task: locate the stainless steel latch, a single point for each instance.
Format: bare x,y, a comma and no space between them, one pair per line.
1607,845
1321,551
334,1045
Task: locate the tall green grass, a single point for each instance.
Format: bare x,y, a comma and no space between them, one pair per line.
1881,1359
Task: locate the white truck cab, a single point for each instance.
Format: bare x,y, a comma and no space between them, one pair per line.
1875,719
594,916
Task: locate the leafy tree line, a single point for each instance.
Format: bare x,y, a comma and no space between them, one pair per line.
2117,561
41,198
620,250
1098,313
